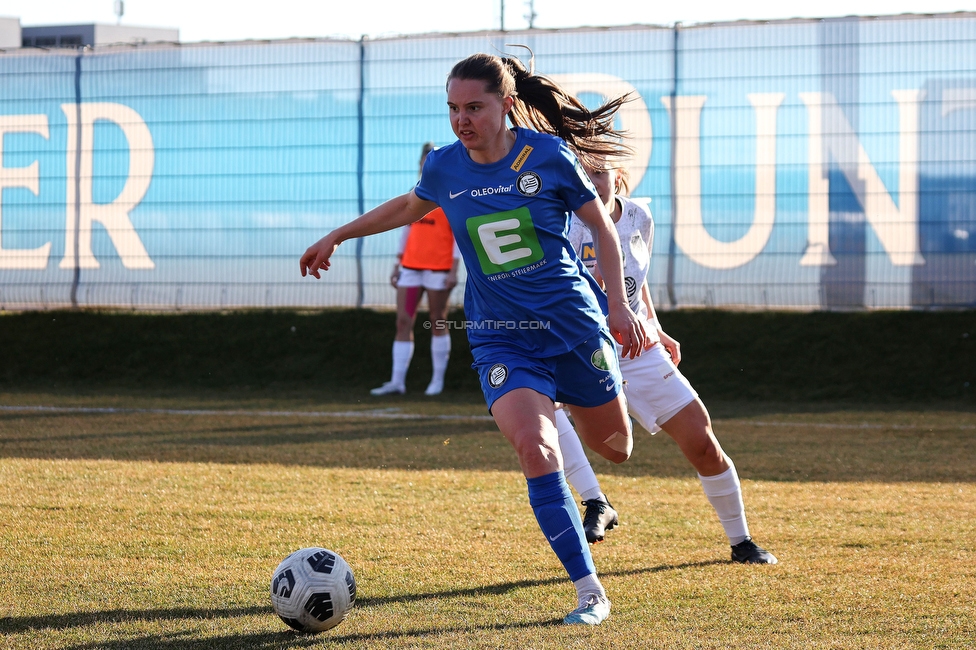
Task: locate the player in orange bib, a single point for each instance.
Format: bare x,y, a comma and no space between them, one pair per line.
427,263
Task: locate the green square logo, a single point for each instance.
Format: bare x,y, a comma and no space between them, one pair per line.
505,241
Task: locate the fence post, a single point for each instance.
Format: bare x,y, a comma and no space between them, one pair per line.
360,167
76,277
672,301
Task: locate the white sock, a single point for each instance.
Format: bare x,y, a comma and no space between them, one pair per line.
576,466
440,352
588,585
402,354
725,494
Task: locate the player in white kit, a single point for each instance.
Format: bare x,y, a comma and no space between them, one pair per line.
658,395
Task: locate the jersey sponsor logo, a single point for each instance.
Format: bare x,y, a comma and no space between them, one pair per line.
454,195
588,252
488,191
529,183
497,375
505,241
521,158
667,371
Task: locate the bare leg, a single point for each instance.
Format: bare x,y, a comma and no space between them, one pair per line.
527,420
691,428
407,300
606,429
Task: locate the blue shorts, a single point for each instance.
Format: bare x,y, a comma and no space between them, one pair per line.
587,376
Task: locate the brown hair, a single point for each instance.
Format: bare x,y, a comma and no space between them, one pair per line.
542,105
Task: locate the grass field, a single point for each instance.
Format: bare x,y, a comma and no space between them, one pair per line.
132,521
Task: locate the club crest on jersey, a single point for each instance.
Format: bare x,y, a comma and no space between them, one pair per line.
497,375
529,184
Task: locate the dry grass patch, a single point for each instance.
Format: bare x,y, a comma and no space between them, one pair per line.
155,530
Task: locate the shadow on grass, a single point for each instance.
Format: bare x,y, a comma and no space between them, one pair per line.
19,625
290,639
785,444
506,587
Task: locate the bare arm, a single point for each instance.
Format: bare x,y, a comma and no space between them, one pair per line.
623,322
396,212
671,345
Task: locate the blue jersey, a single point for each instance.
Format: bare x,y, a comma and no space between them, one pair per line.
526,286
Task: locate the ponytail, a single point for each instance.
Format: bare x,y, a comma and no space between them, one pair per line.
542,105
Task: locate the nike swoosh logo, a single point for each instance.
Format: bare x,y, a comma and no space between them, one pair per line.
553,539
609,386
454,195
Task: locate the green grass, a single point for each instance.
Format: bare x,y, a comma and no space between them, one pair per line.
156,529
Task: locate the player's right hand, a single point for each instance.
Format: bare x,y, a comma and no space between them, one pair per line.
317,256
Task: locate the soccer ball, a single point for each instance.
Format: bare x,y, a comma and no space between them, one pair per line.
313,589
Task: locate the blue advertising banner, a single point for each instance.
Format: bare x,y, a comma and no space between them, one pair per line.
798,164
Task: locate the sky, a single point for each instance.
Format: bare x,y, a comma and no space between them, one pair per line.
234,20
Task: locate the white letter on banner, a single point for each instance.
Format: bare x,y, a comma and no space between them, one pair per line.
115,215
634,116
896,227
689,228
28,177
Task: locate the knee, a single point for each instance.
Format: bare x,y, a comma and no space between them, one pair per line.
619,446
404,323
534,451
708,457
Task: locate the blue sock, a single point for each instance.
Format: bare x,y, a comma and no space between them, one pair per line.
559,520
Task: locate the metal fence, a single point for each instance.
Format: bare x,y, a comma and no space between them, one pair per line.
808,164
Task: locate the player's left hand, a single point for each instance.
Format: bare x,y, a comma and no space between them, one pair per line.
672,346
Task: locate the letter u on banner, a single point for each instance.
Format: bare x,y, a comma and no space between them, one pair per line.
689,228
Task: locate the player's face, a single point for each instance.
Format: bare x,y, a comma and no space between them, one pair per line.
604,180
477,116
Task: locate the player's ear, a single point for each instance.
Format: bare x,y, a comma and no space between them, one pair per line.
507,103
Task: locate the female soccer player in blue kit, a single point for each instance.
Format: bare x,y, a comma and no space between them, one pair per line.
538,332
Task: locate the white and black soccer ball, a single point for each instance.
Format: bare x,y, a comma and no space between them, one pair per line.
313,589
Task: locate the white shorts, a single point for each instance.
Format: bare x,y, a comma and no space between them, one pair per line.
655,389
430,280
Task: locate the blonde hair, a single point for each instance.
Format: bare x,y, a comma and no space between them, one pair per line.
623,181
